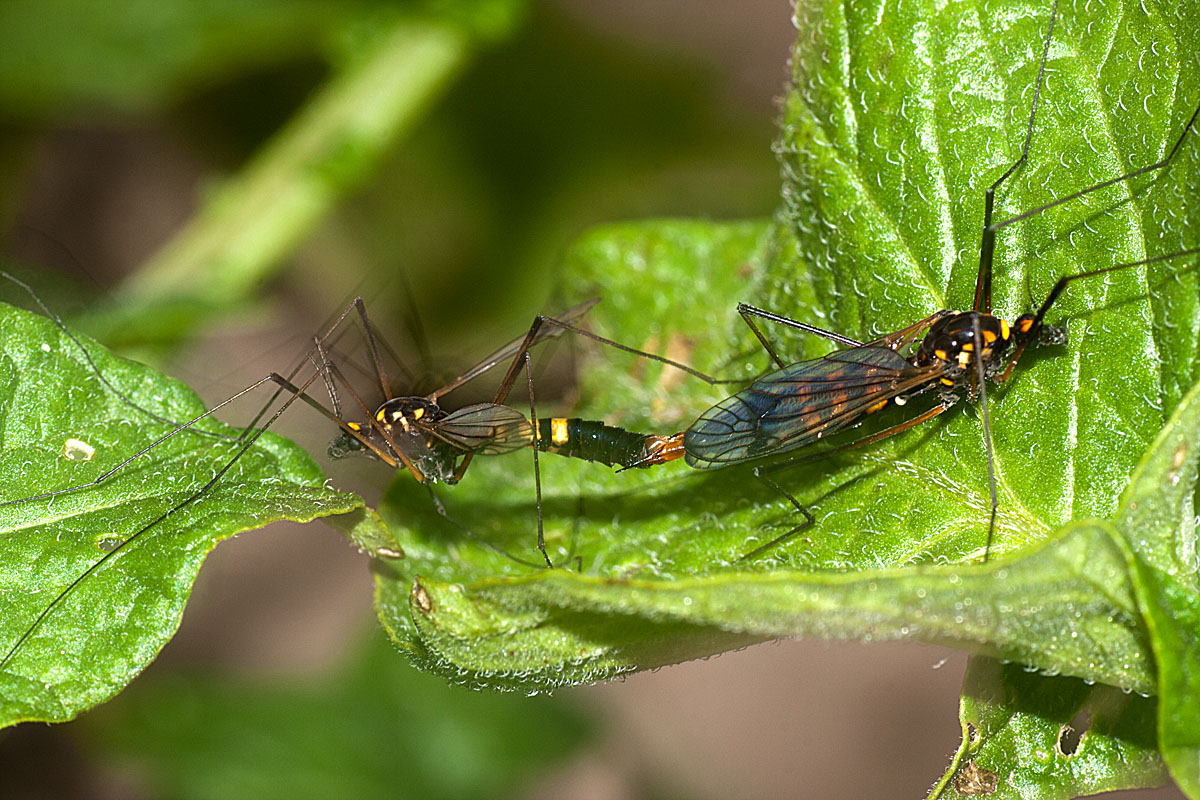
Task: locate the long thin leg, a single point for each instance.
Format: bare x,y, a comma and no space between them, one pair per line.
319,363
695,373
809,519
120,395
762,472
1064,281
537,467
416,330
748,312
308,357
506,385
983,282
372,347
987,435
244,445
1060,286
894,340
284,385
470,534
179,429
1104,184
924,416
512,350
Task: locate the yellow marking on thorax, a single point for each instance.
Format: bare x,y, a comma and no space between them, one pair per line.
558,431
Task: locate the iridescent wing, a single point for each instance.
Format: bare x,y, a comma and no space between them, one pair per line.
484,428
802,403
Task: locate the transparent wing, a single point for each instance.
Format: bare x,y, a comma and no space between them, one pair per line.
802,403
484,428
509,350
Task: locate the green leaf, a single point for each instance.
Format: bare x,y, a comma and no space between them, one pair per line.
887,150
98,635
1173,616
1152,567
1028,735
1159,512
373,728
887,153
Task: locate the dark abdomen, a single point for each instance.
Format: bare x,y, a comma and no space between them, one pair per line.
592,441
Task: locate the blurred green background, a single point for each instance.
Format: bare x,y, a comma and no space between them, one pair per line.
201,183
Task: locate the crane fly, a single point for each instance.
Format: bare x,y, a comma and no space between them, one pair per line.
436,446
952,354
413,433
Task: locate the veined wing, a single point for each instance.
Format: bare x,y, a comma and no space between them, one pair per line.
509,350
801,403
484,428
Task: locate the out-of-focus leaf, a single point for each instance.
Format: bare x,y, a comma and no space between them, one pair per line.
66,52
376,729
247,226
62,53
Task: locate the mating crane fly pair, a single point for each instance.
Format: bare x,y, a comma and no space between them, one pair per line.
951,353
409,432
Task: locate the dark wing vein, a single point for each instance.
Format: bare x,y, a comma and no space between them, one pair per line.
569,316
485,428
800,404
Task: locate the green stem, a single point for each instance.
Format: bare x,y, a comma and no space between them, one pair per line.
250,224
